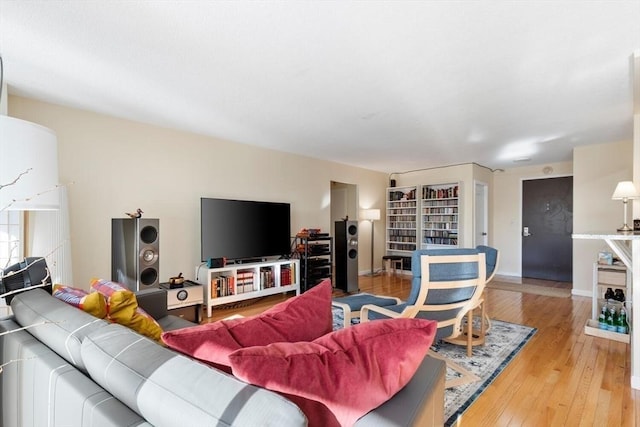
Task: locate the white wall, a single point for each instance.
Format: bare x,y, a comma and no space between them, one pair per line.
114,166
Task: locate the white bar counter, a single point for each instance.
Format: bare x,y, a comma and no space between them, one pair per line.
627,247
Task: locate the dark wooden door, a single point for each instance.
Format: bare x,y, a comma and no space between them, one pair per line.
547,224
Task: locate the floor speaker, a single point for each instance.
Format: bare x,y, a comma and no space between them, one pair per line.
346,255
135,252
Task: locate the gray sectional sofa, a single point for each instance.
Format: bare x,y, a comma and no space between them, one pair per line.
77,370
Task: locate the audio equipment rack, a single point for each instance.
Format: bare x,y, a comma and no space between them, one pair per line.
315,253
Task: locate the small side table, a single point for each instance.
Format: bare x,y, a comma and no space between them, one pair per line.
185,302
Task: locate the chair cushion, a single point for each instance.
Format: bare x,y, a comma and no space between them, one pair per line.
355,302
440,272
301,318
491,258
341,376
398,308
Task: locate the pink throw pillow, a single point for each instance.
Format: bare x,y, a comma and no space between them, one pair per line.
341,376
301,318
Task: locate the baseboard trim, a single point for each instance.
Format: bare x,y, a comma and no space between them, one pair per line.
582,293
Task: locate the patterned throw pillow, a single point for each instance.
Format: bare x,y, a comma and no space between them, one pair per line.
92,303
122,308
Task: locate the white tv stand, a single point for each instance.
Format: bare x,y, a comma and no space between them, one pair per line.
238,282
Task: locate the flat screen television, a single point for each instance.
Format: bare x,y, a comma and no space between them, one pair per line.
242,229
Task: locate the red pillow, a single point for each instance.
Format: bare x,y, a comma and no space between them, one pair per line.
341,376
301,318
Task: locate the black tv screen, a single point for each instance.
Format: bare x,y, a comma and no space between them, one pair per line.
243,229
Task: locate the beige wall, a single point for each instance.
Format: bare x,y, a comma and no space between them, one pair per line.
597,169
115,166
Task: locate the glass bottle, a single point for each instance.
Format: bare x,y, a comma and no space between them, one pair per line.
622,327
602,318
611,319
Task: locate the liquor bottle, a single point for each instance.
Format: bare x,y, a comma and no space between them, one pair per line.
622,327
602,318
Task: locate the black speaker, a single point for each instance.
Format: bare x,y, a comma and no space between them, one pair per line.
135,252
346,255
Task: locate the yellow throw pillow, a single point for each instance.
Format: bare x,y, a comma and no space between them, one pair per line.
122,308
93,303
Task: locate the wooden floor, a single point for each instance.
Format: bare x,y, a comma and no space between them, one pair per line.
562,377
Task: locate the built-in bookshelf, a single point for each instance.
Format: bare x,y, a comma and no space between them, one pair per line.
439,219
239,282
422,217
402,220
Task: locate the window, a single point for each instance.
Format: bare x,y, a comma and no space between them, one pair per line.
11,237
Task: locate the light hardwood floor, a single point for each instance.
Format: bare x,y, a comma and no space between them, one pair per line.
562,377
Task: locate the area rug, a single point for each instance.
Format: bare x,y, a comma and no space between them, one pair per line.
530,289
502,344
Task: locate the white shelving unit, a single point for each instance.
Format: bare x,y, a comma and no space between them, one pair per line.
614,277
238,282
439,219
402,219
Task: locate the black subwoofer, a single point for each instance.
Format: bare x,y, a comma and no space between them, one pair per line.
346,255
135,252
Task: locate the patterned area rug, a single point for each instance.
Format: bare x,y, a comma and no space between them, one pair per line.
502,344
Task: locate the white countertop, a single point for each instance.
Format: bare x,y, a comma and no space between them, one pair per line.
607,235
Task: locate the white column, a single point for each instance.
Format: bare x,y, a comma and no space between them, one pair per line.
635,245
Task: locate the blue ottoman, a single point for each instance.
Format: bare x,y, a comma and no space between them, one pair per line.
351,305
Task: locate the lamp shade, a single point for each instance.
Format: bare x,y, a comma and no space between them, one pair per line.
370,214
31,148
625,190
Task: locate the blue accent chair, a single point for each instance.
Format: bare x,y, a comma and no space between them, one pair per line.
447,284
352,304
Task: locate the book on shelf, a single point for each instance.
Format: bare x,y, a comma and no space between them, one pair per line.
222,286
266,278
245,281
286,275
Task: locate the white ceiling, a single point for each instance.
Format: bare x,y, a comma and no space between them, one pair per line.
385,85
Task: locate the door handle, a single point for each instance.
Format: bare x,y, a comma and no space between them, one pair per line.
525,232
484,234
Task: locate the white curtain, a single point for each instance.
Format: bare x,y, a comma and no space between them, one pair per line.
51,238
